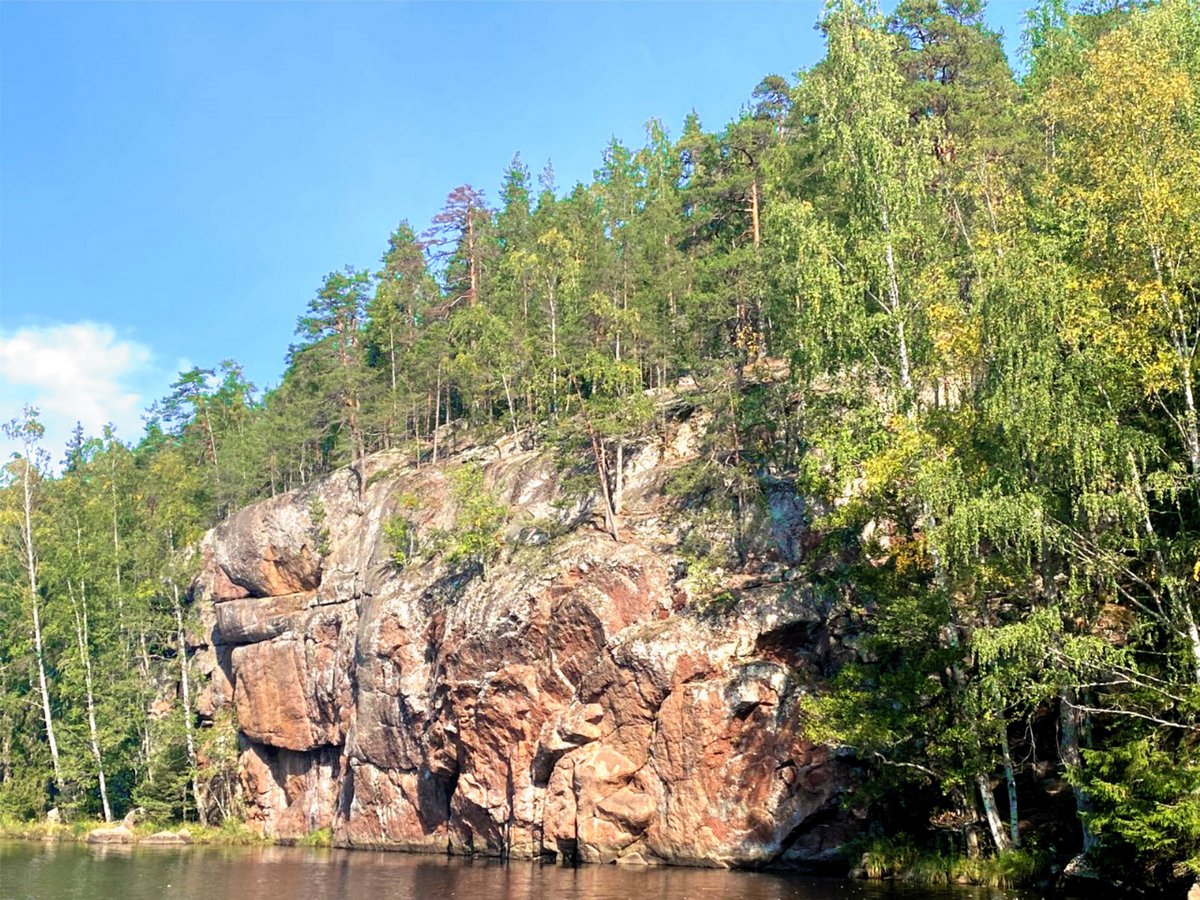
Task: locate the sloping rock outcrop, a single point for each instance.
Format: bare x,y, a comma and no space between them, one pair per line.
580,702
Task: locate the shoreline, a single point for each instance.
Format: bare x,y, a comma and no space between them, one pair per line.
95,833
99,833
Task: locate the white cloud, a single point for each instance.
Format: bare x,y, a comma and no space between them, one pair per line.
75,372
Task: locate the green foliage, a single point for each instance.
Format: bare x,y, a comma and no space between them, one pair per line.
165,792
23,795
883,857
895,704
899,857
1008,870
316,512
704,584
693,482
380,475
1146,797
475,540
218,751
231,832
401,538
400,532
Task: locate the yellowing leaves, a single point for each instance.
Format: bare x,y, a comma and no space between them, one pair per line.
956,339
910,448
1126,166
1126,145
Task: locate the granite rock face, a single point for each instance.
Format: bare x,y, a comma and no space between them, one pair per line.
581,702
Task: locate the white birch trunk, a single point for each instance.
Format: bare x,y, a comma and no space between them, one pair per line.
83,640
1010,779
39,650
992,815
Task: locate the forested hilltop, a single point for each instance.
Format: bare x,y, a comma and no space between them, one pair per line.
958,309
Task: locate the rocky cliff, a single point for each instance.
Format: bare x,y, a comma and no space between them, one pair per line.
586,700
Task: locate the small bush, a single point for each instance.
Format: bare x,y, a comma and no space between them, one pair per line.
23,796
400,533
705,586
401,538
316,512
475,540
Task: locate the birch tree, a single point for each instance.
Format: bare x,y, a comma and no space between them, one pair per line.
28,469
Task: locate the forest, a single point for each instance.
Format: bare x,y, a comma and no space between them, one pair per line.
957,305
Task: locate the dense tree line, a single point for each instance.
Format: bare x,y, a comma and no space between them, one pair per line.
959,308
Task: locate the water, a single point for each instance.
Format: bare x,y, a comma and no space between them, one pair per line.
82,872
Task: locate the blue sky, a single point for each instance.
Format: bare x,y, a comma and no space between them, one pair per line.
176,178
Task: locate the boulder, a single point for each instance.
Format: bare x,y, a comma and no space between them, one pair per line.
168,838
110,834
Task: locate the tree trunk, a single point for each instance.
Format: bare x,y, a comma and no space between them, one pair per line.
610,514
472,268
83,641
1070,722
512,410
895,309
553,354
1190,432
1190,631
39,650
416,418
1182,341
969,815
358,448
1193,638
754,216
116,541
437,410
185,689
212,442
991,814
1010,778
602,474
619,478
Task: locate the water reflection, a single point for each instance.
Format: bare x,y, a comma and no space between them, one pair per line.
79,872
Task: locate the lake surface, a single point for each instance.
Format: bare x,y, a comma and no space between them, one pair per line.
81,872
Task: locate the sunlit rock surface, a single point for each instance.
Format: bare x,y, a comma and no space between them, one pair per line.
582,702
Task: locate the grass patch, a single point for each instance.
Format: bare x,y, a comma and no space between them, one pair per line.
231,833
888,857
322,837
49,832
899,858
1008,870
